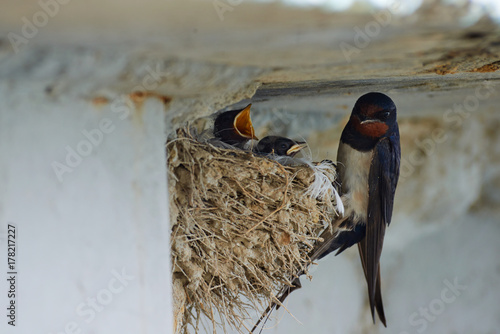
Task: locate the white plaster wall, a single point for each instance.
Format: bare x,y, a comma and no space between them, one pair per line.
109,213
77,233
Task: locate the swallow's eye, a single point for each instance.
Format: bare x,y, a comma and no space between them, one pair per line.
383,115
283,146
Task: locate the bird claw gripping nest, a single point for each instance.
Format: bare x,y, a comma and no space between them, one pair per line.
242,226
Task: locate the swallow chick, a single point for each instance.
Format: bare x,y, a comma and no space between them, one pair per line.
234,127
280,146
368,169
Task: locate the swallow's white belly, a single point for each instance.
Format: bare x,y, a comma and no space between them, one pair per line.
354,172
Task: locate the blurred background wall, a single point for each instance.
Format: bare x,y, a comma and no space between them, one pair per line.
89,92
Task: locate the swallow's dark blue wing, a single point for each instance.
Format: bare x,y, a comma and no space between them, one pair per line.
345,239
388,154
382,181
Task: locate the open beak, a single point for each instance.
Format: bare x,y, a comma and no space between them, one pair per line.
295,149
243,124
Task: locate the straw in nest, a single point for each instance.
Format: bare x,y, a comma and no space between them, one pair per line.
242,227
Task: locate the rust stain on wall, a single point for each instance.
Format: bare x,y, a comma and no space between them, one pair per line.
139,97
100,101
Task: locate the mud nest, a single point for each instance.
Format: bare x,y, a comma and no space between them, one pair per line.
242,228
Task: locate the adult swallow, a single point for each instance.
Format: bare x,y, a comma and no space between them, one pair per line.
234,127
280,146
368,169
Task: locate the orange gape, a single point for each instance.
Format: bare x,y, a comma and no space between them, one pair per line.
243,124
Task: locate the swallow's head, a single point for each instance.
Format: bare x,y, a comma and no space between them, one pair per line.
279,146
373,115
234,126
